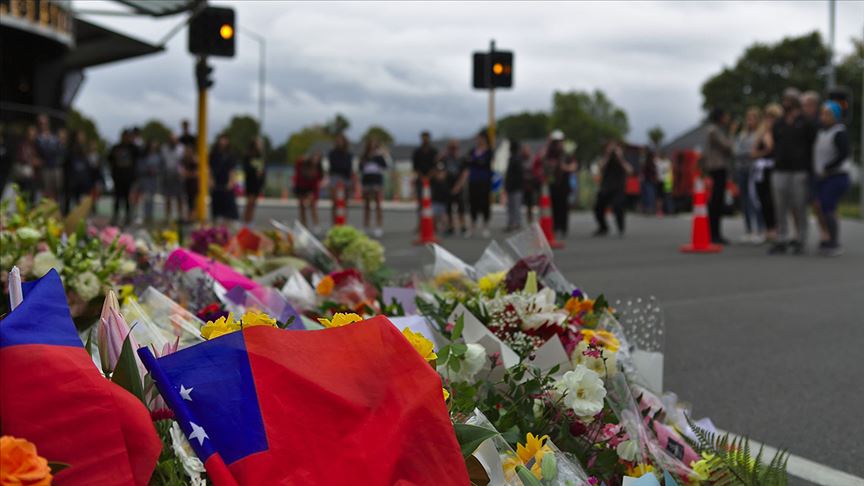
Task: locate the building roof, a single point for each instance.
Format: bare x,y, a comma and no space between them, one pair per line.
160,8
95,45
692,139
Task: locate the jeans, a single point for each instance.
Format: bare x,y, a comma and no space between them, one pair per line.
829,190
749,207
514,209
605,199
560,196
649,197
479,193
791,191
716,202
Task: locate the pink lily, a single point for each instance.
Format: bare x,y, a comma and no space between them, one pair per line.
112,331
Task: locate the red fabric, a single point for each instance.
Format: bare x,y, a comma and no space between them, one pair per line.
351,405
55,397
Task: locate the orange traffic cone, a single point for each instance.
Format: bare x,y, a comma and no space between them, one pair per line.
546,219
339,205
701,236
427,223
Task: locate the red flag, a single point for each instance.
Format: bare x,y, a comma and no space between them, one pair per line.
52,395
350,405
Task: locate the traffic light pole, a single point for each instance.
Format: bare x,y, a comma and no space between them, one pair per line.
203,159
490,126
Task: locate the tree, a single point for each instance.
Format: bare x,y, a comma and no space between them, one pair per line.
379,133
241,130
300,142
849,74
656,135
525,125
589,119
764,70
155,130
78,122
339,124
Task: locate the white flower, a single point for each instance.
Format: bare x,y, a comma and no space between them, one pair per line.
44,261
596,365
628,450
472,362
7,260
87,285
583,391
535,310
27,234
127,267
538,407
191,464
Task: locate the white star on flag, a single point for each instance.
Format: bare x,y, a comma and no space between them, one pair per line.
184,392
198,433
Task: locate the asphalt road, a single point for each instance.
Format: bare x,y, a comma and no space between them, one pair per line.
768,347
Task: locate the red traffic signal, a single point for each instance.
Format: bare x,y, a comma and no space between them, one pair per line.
212,32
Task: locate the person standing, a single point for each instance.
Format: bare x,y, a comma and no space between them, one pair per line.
254,175
831,160
454,165
123,163
150,169
649,183
171,176
514,185
186,137
52,155
307,180
664,184
763,166
478,176
440,189
793,152
27,163
341,172
78,176
717,160
557,167
373,164
189,171
423,162
94,162
754,225
614,170
223,203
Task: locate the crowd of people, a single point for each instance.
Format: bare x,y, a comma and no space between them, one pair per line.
787,159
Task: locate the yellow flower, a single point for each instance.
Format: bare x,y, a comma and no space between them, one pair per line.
575,306
533,450
702,467
604,338
421,344
170,237
127,292
253,318
325,286
54,229
490,282
219,327
639,470
339,319
20,464
446,394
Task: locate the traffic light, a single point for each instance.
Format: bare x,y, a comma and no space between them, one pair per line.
501,69
203,71
493,70
212,32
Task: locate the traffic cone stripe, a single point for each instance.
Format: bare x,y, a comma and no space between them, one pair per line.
339,204
546,219
427,224
700,235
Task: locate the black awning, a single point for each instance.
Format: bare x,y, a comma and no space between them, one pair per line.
95,45
160,8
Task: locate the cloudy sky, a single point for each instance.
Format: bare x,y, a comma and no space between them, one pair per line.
406,65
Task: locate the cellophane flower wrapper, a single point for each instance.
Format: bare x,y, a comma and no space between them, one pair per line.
494,259
531,246
298,291
162,320
351,291
447,275
308,247
641,321
267,300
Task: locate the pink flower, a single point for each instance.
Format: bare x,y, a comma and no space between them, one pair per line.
108,234
42,246
112,333
449,327
92,231
128,242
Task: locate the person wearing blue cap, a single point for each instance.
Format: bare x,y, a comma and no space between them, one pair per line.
831,159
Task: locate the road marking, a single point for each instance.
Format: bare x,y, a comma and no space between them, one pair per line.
809,470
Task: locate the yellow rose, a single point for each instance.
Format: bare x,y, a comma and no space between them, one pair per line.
21,465
421,344
325,286
339,319
219,327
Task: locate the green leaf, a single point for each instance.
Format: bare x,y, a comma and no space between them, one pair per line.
89,344
471,436
527,477
56,467
458,349
126,372
549,467
458,327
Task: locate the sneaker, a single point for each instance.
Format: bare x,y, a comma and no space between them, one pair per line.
378,232
746,238
757,239
797,247
600,232
777,249
720,241
833,251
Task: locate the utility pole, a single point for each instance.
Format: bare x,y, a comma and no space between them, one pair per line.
203,158
832,12
490,128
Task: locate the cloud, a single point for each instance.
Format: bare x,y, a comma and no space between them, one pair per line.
406,65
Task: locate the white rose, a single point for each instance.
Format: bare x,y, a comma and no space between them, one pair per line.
27,234
87,285
191,464
127,267
472,362
628,450
583,391
597,365
44,261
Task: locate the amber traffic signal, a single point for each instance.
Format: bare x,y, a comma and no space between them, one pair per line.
493,69
212,32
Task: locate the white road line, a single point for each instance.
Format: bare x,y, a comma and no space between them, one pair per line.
809,470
